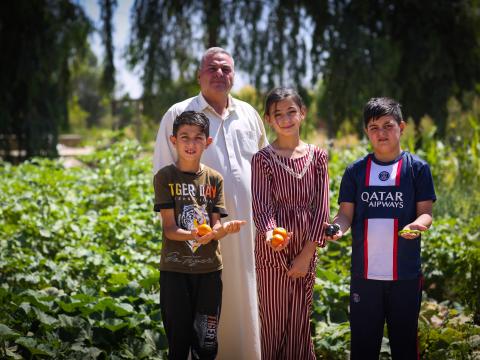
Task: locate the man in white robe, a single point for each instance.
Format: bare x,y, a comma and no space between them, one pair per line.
238,133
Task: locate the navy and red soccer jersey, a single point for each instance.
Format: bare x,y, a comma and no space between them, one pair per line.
385,197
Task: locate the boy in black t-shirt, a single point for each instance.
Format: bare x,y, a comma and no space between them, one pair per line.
387,199
190,199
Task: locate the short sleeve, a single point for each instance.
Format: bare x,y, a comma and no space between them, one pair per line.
163,193
348,187
219,205
424,188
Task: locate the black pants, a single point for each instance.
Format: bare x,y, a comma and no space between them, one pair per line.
190,305
374,301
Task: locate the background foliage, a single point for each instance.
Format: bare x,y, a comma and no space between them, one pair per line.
357,49
38,40
343,52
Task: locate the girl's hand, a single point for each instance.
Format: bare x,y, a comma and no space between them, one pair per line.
407,232
334,237
282,246
233,226
299,267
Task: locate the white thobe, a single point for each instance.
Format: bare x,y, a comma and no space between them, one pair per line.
236,137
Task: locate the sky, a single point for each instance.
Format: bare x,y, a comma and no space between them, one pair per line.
127,80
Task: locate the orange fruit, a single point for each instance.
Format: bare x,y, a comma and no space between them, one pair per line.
280,231
204,229
277,240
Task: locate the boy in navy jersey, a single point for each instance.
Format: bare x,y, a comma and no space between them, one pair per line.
387,198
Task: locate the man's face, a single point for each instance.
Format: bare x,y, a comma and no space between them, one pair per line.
216,75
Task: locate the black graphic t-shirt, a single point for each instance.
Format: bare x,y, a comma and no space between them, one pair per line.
193,197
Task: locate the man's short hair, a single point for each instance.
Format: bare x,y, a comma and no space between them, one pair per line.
381,106
192,118
215,50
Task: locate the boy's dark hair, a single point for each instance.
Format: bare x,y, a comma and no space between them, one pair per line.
192,118
381,106
281,93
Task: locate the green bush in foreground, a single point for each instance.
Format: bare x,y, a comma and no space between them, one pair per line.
79,254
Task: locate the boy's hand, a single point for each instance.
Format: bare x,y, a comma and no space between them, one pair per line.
410,235
337,235
233,226
205,239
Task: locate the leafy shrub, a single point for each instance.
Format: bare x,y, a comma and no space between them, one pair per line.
78,259
79,255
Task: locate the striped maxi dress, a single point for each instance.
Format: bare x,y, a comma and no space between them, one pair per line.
289,193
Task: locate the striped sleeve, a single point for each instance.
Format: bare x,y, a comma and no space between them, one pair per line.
321,203
263,214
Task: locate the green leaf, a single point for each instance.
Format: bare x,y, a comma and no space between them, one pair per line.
44,318
25,307
32,346
7,333
123,309
92,352
114,324
329,275
119,279
12,355
45,233
68,321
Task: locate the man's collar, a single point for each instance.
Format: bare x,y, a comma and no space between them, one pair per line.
204,104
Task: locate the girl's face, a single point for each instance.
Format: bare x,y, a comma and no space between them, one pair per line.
285,117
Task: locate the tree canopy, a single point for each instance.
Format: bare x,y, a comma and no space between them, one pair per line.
37,41
421,53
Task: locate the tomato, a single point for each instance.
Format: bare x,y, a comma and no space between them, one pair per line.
280,231
277,240
279,236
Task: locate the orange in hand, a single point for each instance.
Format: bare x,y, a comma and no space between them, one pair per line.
204,229
280,231
279,236
277,240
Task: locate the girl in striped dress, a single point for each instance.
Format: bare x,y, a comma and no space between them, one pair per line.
290,190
